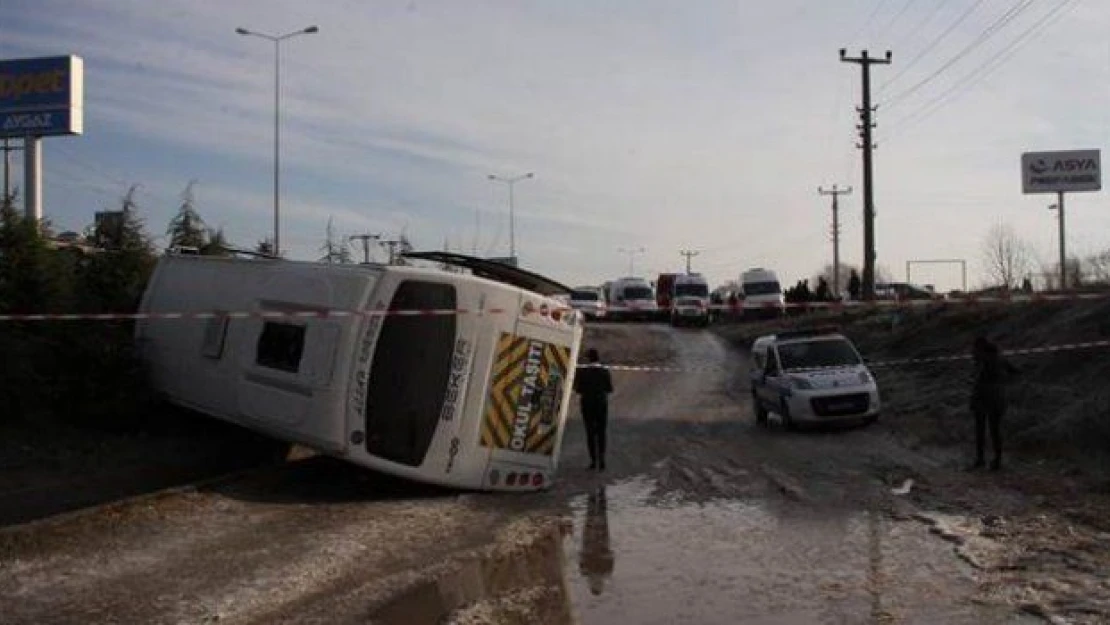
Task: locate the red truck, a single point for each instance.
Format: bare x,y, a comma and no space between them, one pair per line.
664,291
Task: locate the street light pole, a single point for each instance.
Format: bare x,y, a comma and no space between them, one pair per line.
631,254
1059,206
277,39
510,181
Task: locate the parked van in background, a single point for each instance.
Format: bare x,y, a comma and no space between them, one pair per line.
762,294
589,300
631,298
690,300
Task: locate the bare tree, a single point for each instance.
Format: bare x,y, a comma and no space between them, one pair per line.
1098,267
335,249
845,275
1007,258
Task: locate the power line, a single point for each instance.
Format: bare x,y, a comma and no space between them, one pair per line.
870,19
998,24
894,20
982,71
933,44
937,6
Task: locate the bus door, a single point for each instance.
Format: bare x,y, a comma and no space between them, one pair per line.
529,390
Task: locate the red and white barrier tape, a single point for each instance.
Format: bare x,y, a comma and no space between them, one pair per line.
543,311
900,362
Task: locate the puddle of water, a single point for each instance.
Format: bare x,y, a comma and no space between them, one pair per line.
633,559
525,584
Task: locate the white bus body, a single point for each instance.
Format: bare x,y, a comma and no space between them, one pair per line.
762,294
472,400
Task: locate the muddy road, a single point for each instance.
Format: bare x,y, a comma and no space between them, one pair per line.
702,516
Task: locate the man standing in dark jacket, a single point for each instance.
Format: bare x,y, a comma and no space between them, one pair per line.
593,383
988,397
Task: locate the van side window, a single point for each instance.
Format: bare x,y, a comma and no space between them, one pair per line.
280,346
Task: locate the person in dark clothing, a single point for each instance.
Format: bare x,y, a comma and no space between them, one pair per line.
988,397
593,384
853,285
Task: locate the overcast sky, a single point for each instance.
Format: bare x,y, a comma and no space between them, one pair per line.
666,125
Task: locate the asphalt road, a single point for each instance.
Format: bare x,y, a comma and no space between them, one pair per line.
702,517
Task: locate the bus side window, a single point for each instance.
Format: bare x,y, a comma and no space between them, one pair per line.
215,332
280,346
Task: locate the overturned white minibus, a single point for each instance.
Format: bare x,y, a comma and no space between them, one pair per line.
457,379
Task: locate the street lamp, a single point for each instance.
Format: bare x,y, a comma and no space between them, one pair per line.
631,253
1059,207
277,39
512,228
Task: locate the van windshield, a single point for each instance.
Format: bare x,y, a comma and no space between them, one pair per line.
637,292
812,354
583,296
691,290
762,288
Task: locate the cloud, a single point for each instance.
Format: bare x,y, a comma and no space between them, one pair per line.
650,123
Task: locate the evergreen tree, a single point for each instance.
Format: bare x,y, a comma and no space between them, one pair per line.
187,229
216,245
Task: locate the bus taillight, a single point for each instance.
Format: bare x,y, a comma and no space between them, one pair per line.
537,480
510,479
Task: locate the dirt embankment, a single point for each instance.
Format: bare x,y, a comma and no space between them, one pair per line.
1037,533
1059,406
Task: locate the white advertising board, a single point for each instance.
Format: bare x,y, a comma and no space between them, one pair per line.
1067,171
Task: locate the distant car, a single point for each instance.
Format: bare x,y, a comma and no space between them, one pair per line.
589,301
812,376
904,291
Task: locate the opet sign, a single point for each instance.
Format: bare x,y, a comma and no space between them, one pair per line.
1059,172
42,96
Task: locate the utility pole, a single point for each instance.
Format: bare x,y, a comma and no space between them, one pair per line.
688,254
366,238
865,62
7,149
835,192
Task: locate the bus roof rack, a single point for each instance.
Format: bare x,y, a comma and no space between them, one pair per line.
495,270
802,332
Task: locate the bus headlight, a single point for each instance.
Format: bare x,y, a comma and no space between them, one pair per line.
800,383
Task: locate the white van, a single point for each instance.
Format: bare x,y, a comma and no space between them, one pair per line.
631,298
762,294
690,300
811,376
457,379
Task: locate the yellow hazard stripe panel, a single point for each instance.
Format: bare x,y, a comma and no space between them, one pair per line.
525,397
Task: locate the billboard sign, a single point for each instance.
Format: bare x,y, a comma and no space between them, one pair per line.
1058,172
42,96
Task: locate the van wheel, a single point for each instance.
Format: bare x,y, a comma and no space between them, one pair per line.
760,411
787,420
